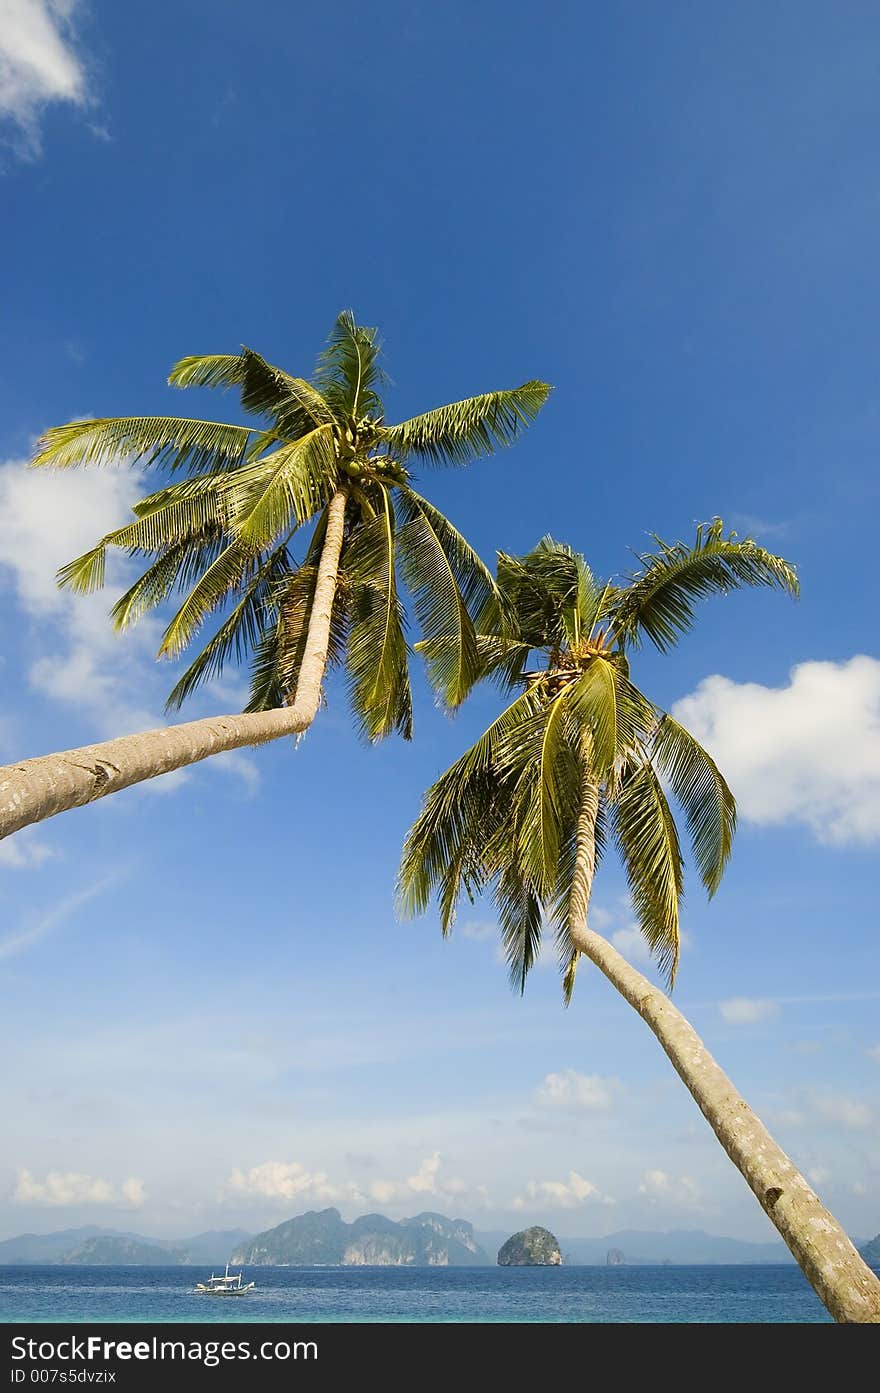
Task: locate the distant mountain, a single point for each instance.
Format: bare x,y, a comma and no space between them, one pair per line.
680,1246
323,1238
51,1247
215,1246
871,1252
110,1247
106,1250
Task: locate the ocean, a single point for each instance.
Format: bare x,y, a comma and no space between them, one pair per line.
663,1295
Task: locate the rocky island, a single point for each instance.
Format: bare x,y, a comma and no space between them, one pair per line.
534,1247
323,1238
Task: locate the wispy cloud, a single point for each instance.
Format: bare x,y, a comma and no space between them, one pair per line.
570,1193
24,939
747,1010
111,680
24,851
291,1180
61,1189
570,1091
40,65
681,1191
853,1114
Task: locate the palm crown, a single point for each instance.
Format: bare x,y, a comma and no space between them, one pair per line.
581,752
221,536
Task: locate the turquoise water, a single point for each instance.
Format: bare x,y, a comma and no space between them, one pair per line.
558,1294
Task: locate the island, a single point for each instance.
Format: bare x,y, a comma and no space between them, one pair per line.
534,1247
323,1238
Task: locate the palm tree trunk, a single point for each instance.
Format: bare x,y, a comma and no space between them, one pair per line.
828,1259
39,788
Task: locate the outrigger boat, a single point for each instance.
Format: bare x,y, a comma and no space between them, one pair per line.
224,1286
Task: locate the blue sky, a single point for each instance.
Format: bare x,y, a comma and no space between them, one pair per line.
671,213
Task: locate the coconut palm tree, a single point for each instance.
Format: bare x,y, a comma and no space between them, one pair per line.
320,454
580,757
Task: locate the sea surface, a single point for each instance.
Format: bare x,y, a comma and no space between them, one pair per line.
662,1295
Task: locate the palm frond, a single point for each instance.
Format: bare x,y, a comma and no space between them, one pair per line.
498,659
699,786
84,574
540,594
521,920
271,495
458,815
547,788
177,568
174,443
293,405
648,841
465,430
448,582
348,372
231,568
240,633
377,652
659,600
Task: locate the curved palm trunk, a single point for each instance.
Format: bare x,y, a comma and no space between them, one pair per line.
39,788
828,1259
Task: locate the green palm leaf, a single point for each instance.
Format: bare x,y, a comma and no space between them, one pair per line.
464,430
547,788
293,405
646,836
348,370
272,495
233,567
457,819
199,446
377,650
659,600
521,919
241,631
709,805
446,578
178,568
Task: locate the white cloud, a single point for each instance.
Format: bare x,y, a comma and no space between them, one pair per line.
682,1190
570,1091
479,929
286,1180
26,937
133,1192
289,1180
24,851
61,1188
747,1010
808,752
39,64
425,1179
873,1052
818,1175
51,516
631,942
851,1113
559,1194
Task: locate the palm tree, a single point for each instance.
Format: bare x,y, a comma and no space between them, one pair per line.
320,453
581,756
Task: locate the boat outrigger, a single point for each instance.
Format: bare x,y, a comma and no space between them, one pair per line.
224,1286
